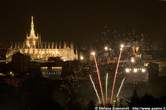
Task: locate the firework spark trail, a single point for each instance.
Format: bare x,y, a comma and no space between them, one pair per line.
94,87
98,75
121,85
116,71
106,87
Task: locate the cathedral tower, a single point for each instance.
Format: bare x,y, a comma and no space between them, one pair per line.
32,38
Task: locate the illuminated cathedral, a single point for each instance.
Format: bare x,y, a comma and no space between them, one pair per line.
39,50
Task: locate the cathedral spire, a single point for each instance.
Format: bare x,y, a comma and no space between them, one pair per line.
32,39
32,31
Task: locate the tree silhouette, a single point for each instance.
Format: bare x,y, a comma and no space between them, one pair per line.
148,101
134,100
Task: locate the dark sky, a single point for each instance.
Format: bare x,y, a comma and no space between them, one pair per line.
79,20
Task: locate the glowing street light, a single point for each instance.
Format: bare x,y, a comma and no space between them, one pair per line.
121,47
11,73
106,48
132,60
93,53
143,70
127,70
135,70
146,64
81,58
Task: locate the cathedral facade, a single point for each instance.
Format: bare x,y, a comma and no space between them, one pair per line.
39,50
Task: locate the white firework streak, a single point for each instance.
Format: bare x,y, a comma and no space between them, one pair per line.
106,87
121,85
94,87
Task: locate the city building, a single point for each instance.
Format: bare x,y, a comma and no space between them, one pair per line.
39,50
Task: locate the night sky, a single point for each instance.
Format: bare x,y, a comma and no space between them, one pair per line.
79,20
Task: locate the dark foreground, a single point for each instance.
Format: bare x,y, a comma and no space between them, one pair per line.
45,94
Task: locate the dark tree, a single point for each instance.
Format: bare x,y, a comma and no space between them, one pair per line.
148,101
134,100
20,63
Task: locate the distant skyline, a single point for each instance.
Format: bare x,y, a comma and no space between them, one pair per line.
80,20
